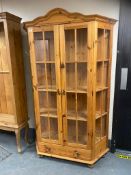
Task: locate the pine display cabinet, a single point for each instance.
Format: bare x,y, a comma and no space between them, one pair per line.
13,106
70,57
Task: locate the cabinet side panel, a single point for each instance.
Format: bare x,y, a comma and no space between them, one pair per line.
17,70
6,88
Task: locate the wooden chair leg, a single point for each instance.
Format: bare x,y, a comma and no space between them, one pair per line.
27,133
17,133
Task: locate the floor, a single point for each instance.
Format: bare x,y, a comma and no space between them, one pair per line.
29,163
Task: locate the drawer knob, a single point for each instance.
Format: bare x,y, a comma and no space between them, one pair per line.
76,154
47,149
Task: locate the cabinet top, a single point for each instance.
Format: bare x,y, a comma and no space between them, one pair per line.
9,16
61,16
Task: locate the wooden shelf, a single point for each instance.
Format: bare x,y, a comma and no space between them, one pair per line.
50,88
44,62
48,112
71,62
78,90
4,72
101,89
107,60
80,116
99,115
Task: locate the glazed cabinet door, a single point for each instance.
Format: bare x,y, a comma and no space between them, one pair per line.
74,71
103,70
45,61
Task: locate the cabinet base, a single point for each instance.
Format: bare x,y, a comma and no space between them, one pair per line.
17,129
88,162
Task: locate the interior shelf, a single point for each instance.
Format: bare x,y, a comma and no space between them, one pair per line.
48,112
78,61
81,90
99,114
48,89
101,89
100,60
81,116
43,62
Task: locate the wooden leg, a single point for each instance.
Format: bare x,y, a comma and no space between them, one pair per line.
17,133
27,133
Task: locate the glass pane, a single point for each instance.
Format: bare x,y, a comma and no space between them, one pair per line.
104,127
52,103
70,45
49,45
98,103
82,106
71,106
104,102
107,44
70,77
82,76
71,131
43,103
98,130
82,44
100,44
82,132
39,46
105,75
44,128
51,76
99,76
53,129
41,78
48,105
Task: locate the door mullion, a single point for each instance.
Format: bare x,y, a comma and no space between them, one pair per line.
58,81
63,82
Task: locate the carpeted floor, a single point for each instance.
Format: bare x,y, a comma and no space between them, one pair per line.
29,163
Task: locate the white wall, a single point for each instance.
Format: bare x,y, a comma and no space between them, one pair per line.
29,9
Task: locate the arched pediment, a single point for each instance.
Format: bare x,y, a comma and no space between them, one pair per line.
61,16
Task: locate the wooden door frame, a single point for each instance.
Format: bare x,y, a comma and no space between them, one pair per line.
63,81
31,30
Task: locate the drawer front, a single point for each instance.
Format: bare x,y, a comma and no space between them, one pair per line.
64,151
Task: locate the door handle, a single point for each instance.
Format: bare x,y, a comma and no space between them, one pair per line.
124,77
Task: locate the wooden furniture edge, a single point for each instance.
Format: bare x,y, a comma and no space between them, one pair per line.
17,128
9,16
73,15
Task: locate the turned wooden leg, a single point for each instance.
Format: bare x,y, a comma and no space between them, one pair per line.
17,133
27,133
